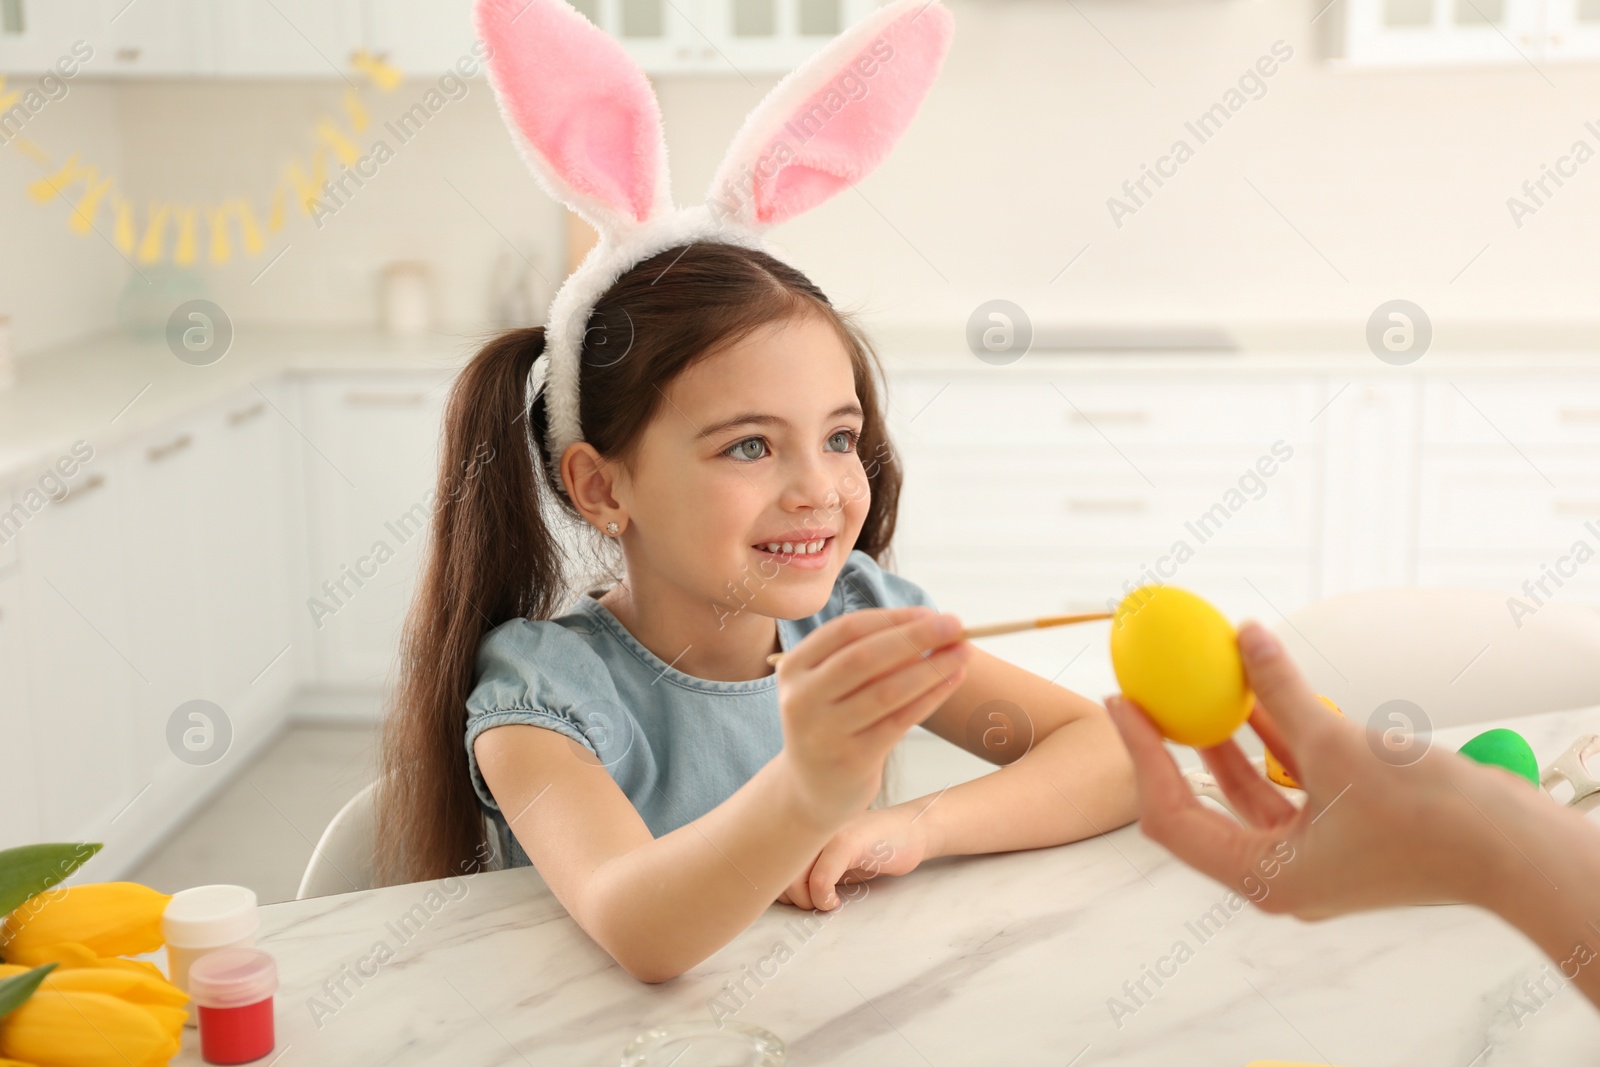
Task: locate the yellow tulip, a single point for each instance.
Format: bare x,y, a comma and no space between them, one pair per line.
107,918
87,1029
132,986
69,955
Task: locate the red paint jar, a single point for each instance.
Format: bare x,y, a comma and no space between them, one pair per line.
232,990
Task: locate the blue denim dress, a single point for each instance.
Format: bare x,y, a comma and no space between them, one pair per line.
675,744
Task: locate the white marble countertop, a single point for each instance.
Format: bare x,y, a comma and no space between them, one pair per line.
111,387
1012,958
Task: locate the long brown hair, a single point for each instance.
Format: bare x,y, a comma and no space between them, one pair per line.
496,552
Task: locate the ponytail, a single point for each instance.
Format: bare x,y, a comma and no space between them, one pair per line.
490,558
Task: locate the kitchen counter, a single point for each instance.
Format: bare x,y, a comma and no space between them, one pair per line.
112,387
1017,958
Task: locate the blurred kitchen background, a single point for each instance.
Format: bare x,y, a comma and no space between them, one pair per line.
1344,338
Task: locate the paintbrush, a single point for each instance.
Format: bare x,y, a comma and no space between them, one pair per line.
995,628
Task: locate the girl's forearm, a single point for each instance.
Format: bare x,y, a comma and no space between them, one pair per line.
665,906
1076,782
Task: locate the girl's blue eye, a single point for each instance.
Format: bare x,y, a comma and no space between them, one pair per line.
738,450
744,457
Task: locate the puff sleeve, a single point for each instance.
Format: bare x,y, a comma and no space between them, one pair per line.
540,673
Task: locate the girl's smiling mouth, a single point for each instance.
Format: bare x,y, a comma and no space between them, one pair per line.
812,553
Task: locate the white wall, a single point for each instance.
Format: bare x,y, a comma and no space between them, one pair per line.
55,285
1398,178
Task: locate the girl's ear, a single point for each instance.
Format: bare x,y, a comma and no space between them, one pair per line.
832,120
589,123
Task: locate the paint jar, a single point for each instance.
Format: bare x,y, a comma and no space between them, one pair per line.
703,1044
232,989
204,919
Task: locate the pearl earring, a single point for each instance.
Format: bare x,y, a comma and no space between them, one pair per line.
611,529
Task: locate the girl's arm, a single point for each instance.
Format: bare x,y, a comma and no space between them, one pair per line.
657,905
1074,780
846,694
1064,775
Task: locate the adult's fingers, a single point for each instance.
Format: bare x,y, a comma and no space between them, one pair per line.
1261,722
1279,686
848,628
1169,812
1252,796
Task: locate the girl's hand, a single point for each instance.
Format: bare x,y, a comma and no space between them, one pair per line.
851,689
1371,834
881,841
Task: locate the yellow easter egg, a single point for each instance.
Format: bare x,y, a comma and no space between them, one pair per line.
1178,658
1275,771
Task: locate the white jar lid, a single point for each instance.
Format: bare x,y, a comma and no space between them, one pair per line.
210,915
232,978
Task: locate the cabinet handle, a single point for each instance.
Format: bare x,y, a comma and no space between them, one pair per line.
1581,415
1580,508
1088,418
170,449
1109,507
90,484
244,415
384,400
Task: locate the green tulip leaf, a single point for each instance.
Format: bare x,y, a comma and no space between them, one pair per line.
29,870
15,990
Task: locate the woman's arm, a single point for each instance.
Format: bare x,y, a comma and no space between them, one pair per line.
657,905
1371,834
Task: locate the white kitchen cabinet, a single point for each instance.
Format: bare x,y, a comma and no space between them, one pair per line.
422,40
286,38
36,34
373,464
723,36
1434,32
81,677
19,798
246,559
172,637
156,38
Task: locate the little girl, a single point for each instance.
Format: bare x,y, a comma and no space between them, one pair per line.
700,409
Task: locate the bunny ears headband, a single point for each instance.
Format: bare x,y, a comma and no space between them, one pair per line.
586,120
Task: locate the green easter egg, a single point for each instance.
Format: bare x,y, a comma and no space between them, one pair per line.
1504,748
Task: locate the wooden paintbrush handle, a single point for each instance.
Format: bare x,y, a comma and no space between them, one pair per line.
994,629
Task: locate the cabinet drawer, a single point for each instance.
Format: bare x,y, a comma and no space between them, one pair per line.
1554,411
1103,416
1047,504
1506,504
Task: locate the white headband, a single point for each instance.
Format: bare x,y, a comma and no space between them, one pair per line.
587,122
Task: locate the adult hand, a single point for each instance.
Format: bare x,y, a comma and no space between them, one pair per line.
1371,834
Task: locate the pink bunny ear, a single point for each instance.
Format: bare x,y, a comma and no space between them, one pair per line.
832,120
590,124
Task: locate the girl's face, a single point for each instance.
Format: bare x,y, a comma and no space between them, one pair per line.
754,448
